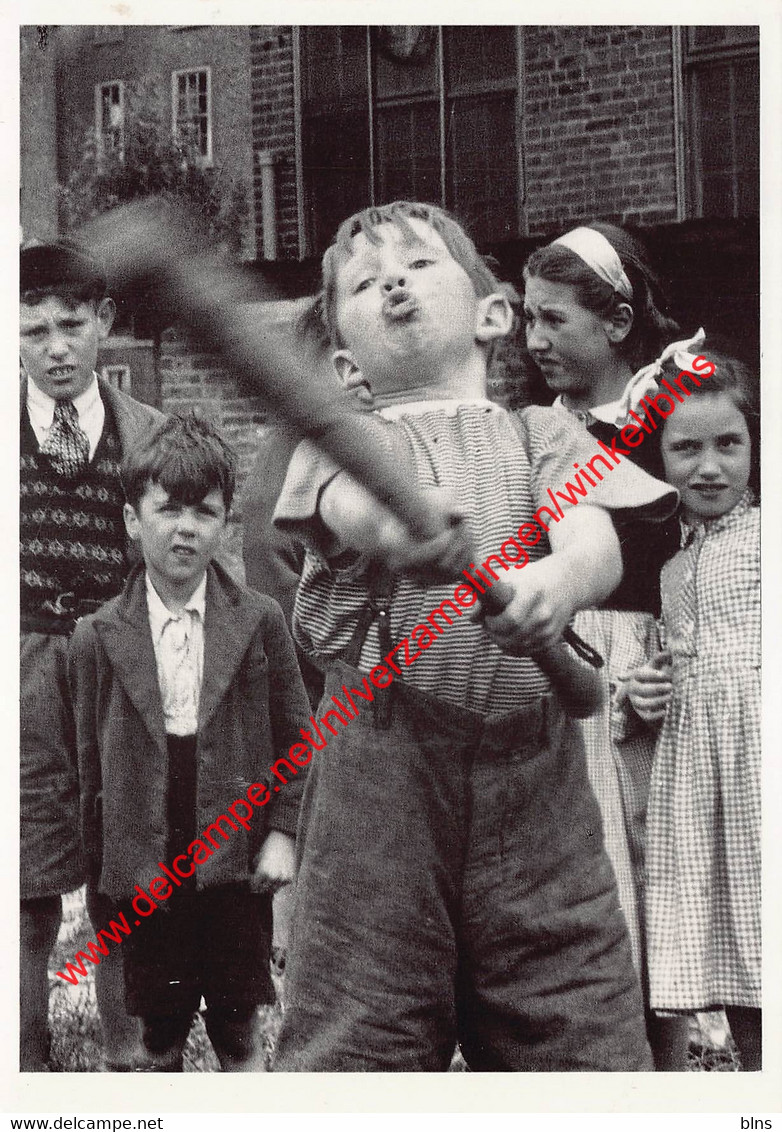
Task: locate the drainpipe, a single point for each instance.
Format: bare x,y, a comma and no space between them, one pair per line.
267,162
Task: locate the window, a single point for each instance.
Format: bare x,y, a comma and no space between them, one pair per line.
721,75
110,117
192,110
426,113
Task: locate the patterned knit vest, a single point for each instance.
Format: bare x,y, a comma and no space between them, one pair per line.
72,532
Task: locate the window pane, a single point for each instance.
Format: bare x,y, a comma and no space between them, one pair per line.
475,55
111,117
333,65
726,140
713,107
336,168
408,152
192,110
482,164
721,35
746,80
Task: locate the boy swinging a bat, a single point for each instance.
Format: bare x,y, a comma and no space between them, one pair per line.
453,884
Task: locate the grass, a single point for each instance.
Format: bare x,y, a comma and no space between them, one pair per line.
76,1040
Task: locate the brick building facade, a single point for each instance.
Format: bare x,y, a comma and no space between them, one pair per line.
613,122
523,131
198,78
599,125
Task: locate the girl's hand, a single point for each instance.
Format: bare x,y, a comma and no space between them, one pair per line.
276,864
649,688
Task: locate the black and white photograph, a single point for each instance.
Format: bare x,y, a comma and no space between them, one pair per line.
317,323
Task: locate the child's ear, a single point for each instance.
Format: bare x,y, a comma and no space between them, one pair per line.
495,318
344,364
351,376
107,312
619,325
132,525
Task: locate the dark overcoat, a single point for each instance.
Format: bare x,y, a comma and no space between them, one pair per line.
251,710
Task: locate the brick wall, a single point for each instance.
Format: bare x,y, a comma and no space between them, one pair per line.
271,64
598,125
193,378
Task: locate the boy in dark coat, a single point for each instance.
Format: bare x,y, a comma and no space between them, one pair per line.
75,429
185,691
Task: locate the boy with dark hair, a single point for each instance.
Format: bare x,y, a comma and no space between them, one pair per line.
453,883
75,430
185,691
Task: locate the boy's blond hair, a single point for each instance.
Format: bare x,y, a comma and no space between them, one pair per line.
399,213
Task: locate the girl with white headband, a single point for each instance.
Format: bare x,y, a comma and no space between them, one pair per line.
593,318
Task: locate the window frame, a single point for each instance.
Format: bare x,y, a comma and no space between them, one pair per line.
693,61
99,131
206,159
443,96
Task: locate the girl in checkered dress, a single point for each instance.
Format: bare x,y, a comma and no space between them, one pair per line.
703,854
593,316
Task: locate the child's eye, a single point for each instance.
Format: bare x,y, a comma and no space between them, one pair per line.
418,263
684,446
362,286
729,441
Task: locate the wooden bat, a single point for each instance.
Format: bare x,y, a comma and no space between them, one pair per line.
167,246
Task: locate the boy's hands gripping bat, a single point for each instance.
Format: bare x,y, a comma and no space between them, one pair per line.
365,527
166,245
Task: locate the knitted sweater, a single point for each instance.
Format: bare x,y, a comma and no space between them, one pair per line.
72,533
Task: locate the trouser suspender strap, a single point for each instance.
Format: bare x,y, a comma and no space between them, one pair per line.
380,586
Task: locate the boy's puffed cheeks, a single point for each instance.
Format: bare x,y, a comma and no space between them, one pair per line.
408,318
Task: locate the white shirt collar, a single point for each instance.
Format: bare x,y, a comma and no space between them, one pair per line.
41,405
606,412
160,614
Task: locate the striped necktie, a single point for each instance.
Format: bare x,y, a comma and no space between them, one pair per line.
67,445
